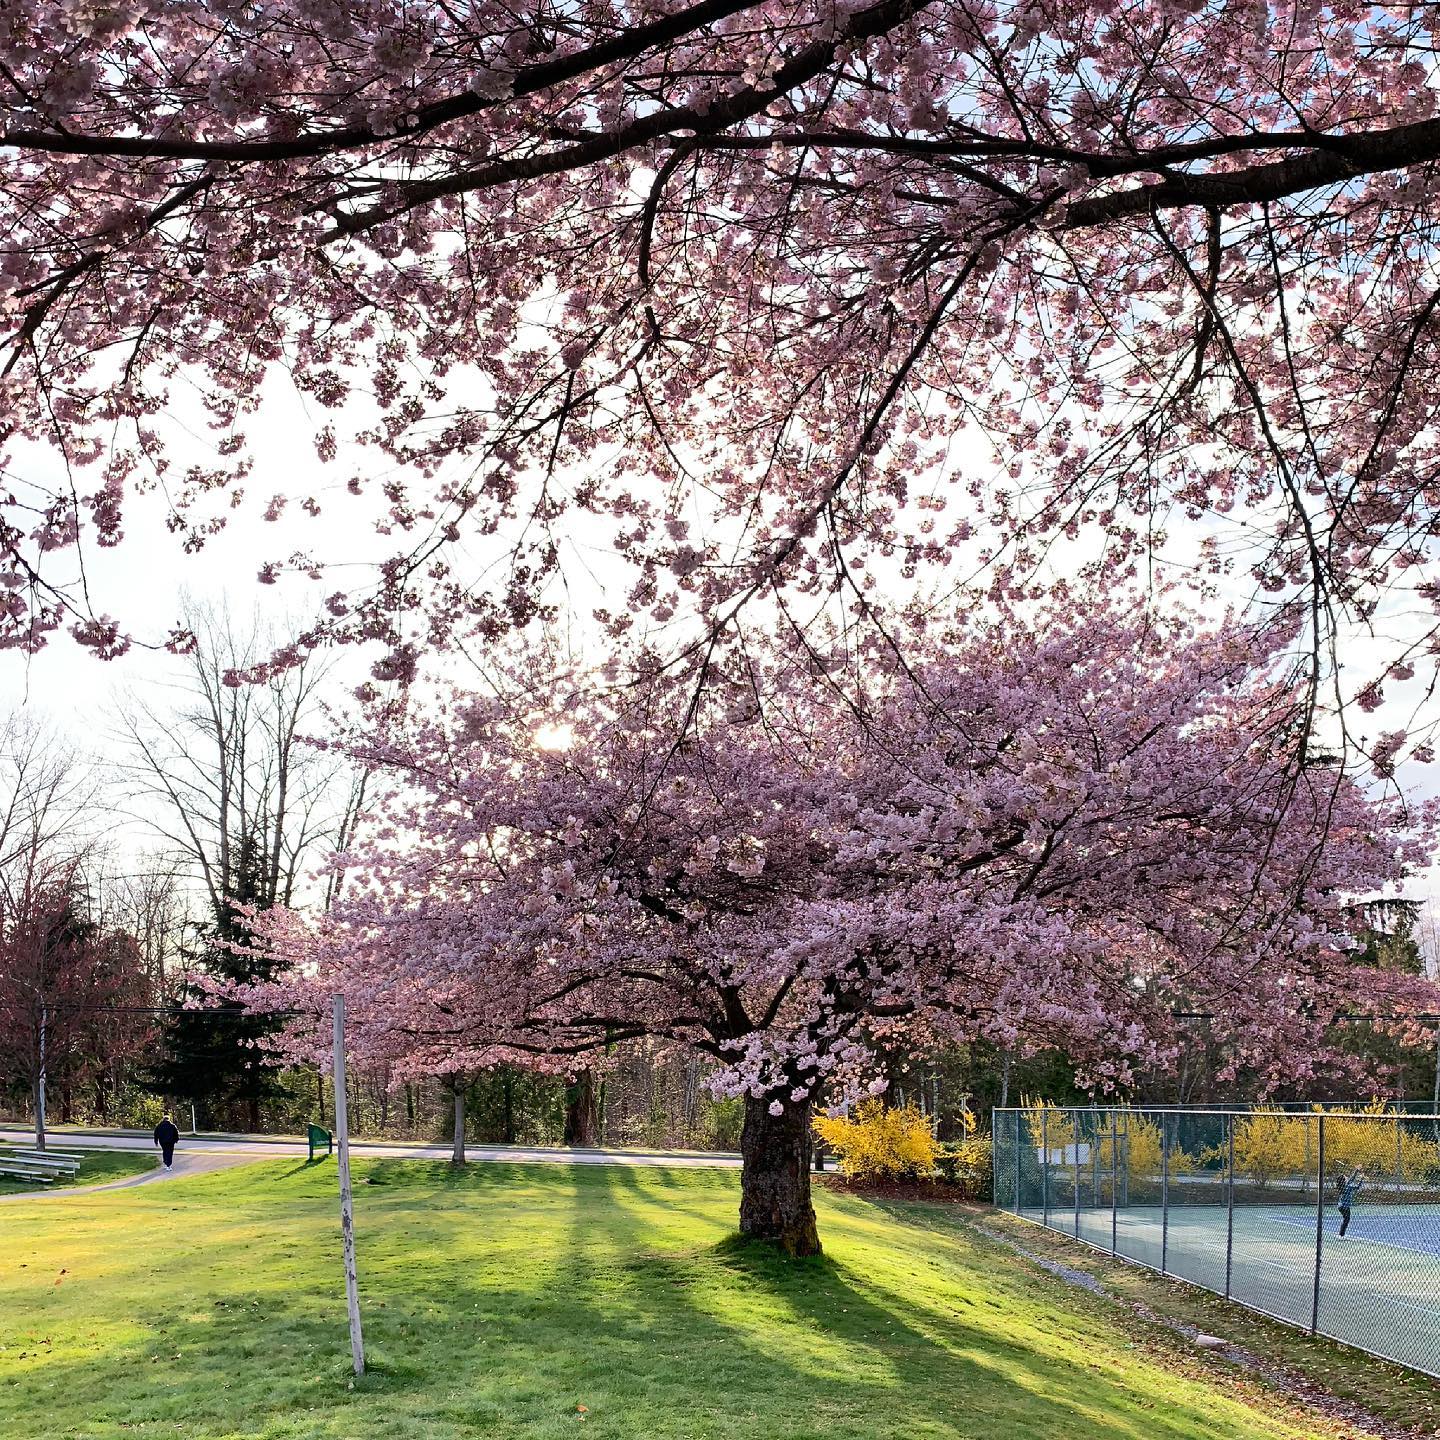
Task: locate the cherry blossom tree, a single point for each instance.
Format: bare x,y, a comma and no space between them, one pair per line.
1057,830
728,282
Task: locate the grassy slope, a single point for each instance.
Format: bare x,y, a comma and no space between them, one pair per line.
98,1168
501,1301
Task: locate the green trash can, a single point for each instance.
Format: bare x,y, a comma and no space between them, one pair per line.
318,1137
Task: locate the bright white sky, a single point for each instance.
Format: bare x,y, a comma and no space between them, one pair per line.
144,581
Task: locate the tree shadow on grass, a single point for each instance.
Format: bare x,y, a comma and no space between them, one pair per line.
589,1286
818,1351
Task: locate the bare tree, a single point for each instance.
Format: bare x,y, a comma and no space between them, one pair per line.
227,780
1427,936
150,900
228,768
46,790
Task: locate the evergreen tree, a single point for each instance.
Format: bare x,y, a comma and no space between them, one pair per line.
217,1062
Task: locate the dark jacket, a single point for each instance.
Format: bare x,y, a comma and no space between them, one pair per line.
166,1135
1349,1189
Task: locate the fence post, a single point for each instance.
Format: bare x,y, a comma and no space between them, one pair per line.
1319,1223
1229,1198
1114,1173
1016,1114
1075,1157
1164,1190
1306,1184
1045,1166
1095,1157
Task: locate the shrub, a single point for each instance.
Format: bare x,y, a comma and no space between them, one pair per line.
880,1143
1048,1123
1270,1147
967,1164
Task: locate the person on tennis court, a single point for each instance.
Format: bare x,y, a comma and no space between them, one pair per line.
1349,1189
167,1137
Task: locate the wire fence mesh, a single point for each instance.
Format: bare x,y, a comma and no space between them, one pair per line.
1326,1218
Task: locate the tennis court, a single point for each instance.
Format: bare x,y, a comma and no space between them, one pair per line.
1272,1244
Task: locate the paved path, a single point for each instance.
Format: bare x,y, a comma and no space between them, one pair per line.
196,1163
243,1148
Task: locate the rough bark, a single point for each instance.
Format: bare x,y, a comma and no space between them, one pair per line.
775,1177
582,1110
457,1154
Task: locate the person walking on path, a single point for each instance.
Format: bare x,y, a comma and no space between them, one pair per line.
1349,1189
167,1137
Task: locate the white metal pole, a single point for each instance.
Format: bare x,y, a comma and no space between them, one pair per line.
347,1213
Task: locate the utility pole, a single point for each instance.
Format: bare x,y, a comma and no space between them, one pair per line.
347,1210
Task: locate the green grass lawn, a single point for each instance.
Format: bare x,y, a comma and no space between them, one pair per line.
97,1168
547,1301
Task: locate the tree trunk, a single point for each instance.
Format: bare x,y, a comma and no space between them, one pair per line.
775,1177
582,1110
254,1114
509,1091
457,1155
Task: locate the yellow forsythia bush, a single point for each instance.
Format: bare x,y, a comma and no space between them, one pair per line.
1139,1138
1271,1147
1044,1118
880,1143
1274,1147
1412,1157
966,1164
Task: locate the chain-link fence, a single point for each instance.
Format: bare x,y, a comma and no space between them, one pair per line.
1328,1219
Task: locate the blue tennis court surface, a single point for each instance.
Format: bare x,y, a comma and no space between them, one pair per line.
1379,1283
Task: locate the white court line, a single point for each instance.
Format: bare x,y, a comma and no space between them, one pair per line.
1412,1305
1365,1240
1308,1226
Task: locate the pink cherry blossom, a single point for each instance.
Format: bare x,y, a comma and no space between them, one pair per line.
780,259
1058,830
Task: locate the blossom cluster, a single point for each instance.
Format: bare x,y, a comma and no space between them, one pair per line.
1056,832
